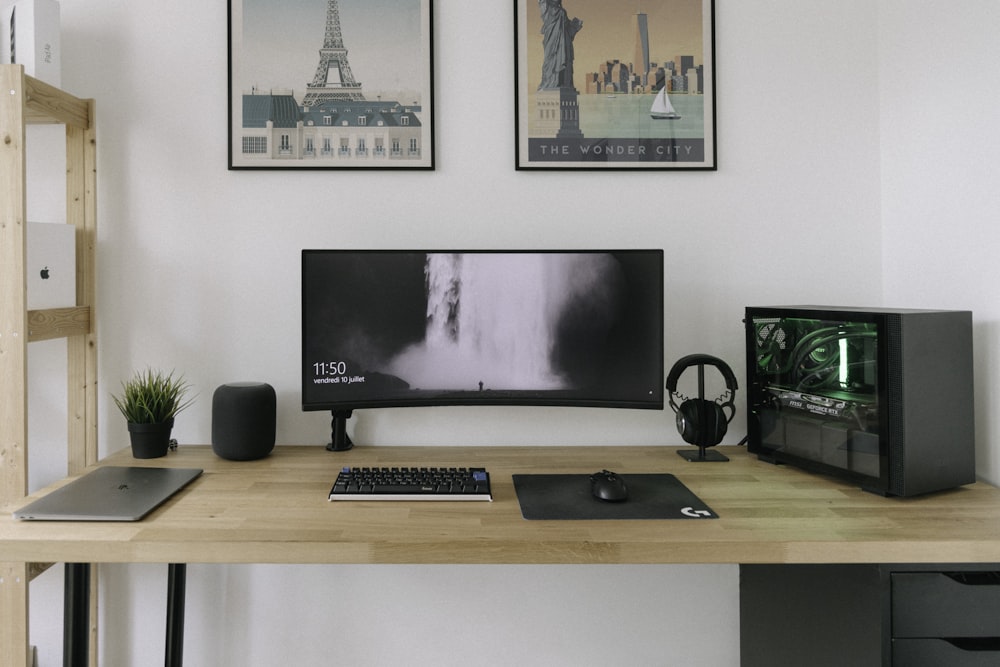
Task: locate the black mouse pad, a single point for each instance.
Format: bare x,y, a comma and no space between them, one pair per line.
650,496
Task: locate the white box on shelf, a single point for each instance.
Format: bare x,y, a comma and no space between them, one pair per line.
30,37
51,265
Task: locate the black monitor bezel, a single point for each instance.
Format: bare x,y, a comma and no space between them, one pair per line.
547,398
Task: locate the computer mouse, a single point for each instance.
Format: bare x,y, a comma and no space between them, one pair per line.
608,486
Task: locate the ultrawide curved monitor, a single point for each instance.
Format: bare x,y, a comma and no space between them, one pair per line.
389,328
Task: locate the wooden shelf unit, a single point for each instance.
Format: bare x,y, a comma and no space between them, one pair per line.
25,100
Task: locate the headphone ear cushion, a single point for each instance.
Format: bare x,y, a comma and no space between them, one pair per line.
689,420
701,422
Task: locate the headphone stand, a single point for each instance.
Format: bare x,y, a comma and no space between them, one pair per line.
703,454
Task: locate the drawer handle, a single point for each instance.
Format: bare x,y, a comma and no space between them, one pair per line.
974,644
975,578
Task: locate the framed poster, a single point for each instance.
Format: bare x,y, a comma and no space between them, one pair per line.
330,84
605,84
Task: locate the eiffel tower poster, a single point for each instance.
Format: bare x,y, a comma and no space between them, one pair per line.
330,84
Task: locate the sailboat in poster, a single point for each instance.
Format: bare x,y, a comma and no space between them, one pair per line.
662,109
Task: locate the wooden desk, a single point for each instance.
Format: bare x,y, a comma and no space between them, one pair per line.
275,510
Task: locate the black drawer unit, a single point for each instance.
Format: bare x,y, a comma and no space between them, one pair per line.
945,604
888,615
811,615
945,618
943,653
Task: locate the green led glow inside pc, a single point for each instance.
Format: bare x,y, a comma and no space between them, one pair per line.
880,397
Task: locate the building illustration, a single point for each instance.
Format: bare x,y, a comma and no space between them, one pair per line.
333,122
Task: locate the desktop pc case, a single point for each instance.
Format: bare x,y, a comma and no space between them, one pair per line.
880,397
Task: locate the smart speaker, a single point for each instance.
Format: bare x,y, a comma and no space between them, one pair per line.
243,420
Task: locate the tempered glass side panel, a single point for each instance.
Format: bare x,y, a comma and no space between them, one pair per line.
814,392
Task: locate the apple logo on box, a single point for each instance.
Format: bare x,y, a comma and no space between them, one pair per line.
44,273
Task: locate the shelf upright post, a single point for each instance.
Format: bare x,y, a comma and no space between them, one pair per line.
81,211
25,100
13,354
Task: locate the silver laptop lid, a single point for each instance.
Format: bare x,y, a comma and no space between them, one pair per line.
109,493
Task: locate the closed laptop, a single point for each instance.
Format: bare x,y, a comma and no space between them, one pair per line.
110,493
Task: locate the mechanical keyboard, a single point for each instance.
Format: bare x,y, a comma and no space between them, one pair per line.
412,484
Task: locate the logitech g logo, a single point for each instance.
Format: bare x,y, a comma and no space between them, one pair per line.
696,514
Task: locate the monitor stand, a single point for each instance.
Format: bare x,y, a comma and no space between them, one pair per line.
339,440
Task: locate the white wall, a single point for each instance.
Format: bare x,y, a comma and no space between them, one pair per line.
940,199
198,271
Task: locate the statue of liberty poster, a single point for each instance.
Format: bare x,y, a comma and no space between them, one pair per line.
615,84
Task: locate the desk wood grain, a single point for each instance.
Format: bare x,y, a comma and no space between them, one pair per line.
275,510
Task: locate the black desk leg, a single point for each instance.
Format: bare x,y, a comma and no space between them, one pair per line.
176,582
76,615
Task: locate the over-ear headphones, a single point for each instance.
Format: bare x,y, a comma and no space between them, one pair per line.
700,421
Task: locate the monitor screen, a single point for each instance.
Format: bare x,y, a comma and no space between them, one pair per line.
389,328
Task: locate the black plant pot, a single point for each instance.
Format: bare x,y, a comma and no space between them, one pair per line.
150,441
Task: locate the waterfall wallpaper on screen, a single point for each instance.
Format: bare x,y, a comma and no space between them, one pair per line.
389,328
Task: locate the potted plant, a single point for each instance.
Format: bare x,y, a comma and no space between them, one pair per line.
149,401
